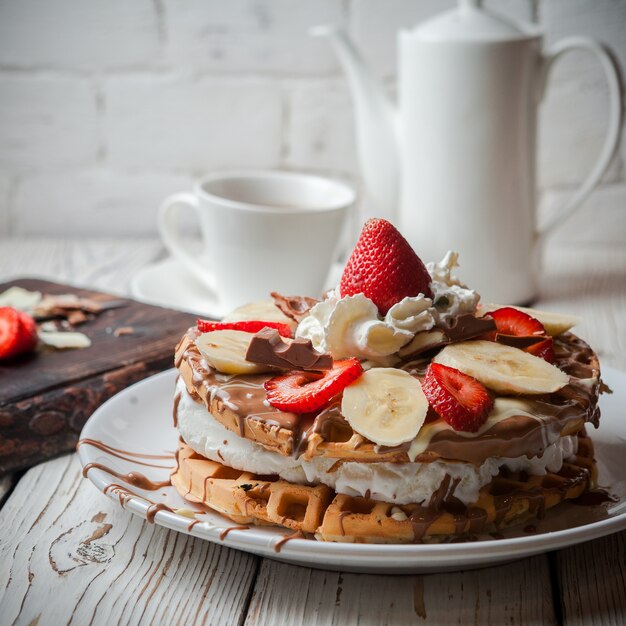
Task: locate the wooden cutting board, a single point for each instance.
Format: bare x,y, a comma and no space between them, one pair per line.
46,397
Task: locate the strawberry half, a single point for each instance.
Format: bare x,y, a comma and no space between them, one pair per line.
384,267
18,332
303,392
544,350
458,399
510,321
249,326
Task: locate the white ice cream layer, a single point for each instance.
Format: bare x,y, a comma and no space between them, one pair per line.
400,483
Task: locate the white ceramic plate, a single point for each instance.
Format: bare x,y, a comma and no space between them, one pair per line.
167,283
139,419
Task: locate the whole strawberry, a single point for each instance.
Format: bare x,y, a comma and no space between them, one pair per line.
384,267
18,332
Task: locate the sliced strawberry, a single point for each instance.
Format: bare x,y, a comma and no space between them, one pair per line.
303,392
510,321
544,349
518,329
18,333
459,399
384,267
248,326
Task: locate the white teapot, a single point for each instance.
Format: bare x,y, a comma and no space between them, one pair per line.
454,165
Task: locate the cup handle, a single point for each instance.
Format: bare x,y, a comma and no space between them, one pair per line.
170,234
613,78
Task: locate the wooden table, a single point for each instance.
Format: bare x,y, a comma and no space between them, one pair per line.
70,555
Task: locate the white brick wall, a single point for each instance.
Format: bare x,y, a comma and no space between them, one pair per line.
90,201
49,122
108,106
248,35
191,123
320,130
78,34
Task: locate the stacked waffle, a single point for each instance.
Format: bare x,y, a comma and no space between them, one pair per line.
395,415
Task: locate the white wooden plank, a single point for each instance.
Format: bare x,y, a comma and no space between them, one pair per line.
519,593
106,264
591,283
69,554
593,582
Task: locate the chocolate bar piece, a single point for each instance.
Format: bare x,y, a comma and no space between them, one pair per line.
269,348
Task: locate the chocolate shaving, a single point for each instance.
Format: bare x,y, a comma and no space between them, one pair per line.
294,307
76,317
468,326
519,342
461,328
72,308
267,347
122,331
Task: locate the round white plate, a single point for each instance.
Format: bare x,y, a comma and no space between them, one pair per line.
139,420
167,283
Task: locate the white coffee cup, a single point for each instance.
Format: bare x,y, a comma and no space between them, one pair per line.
262,231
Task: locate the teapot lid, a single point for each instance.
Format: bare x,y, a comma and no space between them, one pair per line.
471,22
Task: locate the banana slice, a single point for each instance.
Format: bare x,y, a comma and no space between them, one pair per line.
264,310
554,323
386,405
423,341
502,368
225,350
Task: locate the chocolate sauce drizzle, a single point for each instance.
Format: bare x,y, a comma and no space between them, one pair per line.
225,532
136,479
154,508
298,534
175,409
127,455
506,493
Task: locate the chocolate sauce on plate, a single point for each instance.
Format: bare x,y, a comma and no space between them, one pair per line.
136,479
225,532
298,534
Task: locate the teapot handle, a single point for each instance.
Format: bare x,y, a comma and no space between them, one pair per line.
611,142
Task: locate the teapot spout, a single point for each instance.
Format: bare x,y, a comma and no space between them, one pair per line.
375,117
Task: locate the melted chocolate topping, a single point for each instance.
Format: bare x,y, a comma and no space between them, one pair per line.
294,307
513,436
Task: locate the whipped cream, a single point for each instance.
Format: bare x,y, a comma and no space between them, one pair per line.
351,326
450,297
399,483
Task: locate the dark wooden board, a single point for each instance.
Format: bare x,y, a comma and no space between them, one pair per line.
46,397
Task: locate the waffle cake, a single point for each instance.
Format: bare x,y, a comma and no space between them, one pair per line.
436,424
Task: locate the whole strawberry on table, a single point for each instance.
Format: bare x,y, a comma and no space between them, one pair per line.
18,333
